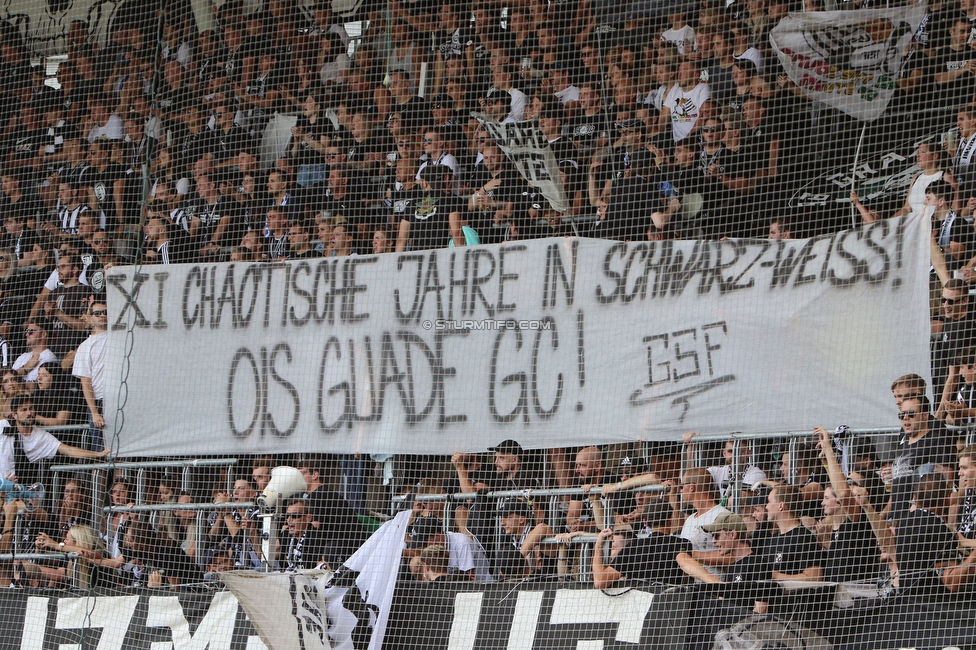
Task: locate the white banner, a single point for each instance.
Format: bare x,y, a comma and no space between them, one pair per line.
557,341
847,59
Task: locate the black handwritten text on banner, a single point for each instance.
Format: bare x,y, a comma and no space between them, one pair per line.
584,340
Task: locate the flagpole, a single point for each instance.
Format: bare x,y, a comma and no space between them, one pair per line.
857,153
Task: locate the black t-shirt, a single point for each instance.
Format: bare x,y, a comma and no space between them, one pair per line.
28,206
340,528
935,448
429,224
628,213
210,216
653,558
229,143
853,553
361,152
21,243
745,581
47,403
793,552
401,203
414,113
103,183
306,154
306,552
720,83
170,560
956,335
742,163
922,540
587,129
959,91
24,145
72,301
191,147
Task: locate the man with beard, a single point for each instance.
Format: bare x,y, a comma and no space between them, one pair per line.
21,448
508,476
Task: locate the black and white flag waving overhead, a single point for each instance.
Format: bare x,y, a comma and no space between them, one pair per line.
316,610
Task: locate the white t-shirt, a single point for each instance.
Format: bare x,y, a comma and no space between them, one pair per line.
39,445
114,129
700,540
517,106
685,108
467,554
6,450
681,38
90,362
46,357
568,94
720,474
445,159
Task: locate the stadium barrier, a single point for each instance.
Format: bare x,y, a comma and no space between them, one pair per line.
531,615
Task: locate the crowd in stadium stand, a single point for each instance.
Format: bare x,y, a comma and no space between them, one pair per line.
146,150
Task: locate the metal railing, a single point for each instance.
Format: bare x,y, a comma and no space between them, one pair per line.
791,439
98,473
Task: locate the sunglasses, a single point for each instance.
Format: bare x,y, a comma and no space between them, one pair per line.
906,414
710,129
292,515
952,301
99,312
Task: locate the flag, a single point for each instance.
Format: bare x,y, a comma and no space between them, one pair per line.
378,564
849,60
526,147
313,610
284,608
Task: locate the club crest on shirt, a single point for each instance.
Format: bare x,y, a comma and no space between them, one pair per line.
426,208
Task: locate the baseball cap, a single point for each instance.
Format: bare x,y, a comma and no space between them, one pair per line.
632,123
727,521
423,529
507,447
630,465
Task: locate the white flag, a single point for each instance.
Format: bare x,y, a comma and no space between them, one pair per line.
286,609
302,610
847,59
378,564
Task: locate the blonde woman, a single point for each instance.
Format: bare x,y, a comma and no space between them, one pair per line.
81,573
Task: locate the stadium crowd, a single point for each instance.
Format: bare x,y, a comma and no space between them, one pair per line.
145,149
